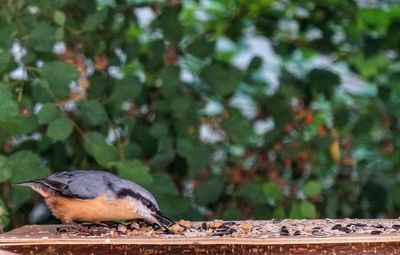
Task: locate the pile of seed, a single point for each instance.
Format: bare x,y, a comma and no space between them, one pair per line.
253,229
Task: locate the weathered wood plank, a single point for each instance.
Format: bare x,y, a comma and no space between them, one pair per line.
44,239
227,249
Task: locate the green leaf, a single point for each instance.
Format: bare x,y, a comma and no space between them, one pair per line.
134,170
59,34
279,213
4,216
161,160
5,173
223,80
7,33
104,3
372,66
59,76
171,81
272,190
375,194
24,165
202,48
312,188
295,211
60,129
163,184
232,213
322,81
308,210
173,206
255,64
252,192
169,23
19,125
159,130
125,89
373,19
8,106
42,37
49,112
11,120
96,19
183,107
197,156
96,146
165,153
396,196
5,60
209,191
92,113
59,18
238,128
133,150
140,134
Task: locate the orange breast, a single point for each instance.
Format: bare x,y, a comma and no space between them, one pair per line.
90,210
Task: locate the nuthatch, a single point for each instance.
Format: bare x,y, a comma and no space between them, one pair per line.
95,196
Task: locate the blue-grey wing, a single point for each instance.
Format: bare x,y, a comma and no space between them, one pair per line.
84,184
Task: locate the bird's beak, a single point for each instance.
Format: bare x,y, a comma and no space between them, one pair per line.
26,183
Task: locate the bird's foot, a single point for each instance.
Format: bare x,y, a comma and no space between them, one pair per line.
96,224
69,227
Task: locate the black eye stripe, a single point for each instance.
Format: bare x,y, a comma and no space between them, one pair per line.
127,192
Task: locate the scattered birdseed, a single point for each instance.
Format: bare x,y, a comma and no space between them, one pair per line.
396,226
219,228
284,231
176,228
246,226
337,227
297,233
216,223
318,232
185,223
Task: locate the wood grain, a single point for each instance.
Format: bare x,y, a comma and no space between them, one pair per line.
44,239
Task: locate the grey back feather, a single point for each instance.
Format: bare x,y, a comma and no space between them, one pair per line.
86,184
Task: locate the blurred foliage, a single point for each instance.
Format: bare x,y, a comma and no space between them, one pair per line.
223,109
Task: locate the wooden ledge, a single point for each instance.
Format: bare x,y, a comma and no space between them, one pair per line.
266,238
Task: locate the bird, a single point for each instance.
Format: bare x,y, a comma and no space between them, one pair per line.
96,196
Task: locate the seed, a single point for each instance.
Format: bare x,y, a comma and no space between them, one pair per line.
396,226
297,233
229,223
246,226
337,227
318,233
361,225
216,223
284,231
176,228
185,223
346,229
